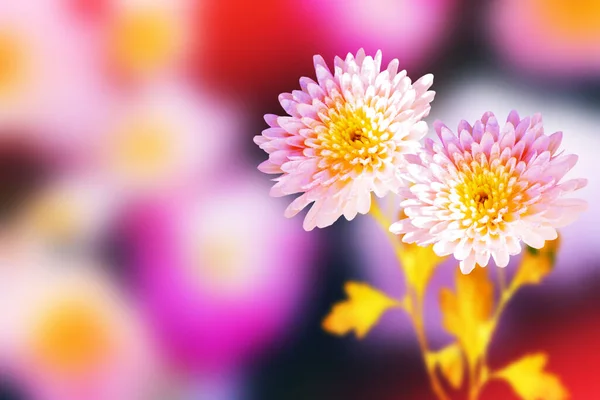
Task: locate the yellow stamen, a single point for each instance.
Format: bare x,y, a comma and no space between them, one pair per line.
353,139
485,197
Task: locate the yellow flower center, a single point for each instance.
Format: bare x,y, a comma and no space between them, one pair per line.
144,41
71,337
12,64
143,150
219,261
486,197
353,139
572,19
54,216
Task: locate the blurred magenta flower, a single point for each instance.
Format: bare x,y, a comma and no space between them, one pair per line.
221,273
411,30
70,333
481,191
551,37
346,136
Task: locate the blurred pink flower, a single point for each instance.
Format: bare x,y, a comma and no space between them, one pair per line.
69,333
346,136
484,190
552,37
162,138
48,82
412,30
214,291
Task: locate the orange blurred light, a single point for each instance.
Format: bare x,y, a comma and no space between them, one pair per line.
144,41
14,66
572,20
71,336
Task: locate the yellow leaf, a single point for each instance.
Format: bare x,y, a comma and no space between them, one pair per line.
450,362
360,312
528,378
466,313
418,264
535,264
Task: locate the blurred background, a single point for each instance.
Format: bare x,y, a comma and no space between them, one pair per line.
140,254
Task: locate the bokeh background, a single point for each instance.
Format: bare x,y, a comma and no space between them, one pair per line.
140,254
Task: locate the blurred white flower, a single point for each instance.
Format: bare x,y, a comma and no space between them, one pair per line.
47,76
163,138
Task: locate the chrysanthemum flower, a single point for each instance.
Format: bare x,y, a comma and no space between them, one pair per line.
346,136
480,192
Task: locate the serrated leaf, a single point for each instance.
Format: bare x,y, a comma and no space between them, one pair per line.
450,362
360,312
535,264
529,380
467,312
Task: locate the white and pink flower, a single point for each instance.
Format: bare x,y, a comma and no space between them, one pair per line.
484,190
346,136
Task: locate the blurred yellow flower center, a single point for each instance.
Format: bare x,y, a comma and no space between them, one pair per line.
144,41
220,262
143,150
12,64
72,337
484,196
352,139
54,217
571,19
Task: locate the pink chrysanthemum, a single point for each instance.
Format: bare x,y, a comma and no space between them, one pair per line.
346,136
481,192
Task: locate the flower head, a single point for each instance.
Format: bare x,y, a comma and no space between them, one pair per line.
480,192
206,259
71,333
149,141
346,136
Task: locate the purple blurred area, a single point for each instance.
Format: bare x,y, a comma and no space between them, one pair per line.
141,256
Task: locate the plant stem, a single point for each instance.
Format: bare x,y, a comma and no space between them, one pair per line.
416,316
415,312
501,280
506,293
